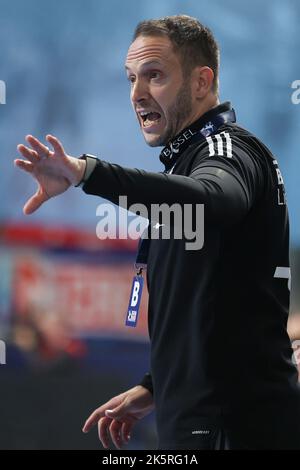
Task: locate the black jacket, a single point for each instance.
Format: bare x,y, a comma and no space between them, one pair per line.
220,353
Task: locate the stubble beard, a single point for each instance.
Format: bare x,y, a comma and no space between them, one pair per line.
177,115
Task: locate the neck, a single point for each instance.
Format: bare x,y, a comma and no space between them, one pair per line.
201,126
207,104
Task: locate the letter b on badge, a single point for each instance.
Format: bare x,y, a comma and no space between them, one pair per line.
135,294
134,301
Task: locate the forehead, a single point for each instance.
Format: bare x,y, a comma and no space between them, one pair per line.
150,48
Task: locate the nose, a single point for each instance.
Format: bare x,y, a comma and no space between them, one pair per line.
139,91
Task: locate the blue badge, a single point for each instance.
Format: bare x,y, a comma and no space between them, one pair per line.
135,300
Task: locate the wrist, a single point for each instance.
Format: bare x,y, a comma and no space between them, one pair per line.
86,165
81,167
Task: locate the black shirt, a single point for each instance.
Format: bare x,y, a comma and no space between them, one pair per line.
217,316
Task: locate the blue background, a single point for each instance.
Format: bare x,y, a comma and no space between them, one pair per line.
63,64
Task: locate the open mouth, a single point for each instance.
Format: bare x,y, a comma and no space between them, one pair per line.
149,118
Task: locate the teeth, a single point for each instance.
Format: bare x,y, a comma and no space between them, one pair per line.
144,113
145,117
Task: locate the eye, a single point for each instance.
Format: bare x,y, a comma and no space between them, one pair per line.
155,74
131,78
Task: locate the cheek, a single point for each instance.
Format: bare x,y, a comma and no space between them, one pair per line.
164,100
166,96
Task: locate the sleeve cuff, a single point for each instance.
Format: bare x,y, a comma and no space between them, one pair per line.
91,162
147,382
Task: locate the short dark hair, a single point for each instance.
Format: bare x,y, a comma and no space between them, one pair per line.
194,42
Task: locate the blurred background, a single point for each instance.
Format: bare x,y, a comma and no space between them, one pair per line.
63,292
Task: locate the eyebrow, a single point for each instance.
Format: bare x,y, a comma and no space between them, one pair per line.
145,64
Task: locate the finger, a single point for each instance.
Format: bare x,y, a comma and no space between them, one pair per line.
26,166
93,419
126,431
117,412
40,148
30,154
103,433
114,430
56,144
34,202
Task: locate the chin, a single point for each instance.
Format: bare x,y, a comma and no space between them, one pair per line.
154,140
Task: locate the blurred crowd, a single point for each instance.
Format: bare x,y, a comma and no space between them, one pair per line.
44,340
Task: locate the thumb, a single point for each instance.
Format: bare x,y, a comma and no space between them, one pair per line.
35,202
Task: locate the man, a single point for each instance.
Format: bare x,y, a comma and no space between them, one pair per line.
221,370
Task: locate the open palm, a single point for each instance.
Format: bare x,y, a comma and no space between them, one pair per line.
54,171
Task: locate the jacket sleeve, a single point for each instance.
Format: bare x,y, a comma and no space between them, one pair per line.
228,187
147,382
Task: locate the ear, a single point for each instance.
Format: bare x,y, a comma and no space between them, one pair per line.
202,80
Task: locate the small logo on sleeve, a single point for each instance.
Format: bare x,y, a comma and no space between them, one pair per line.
203,432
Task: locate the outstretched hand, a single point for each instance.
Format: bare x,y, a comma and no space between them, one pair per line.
54,171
